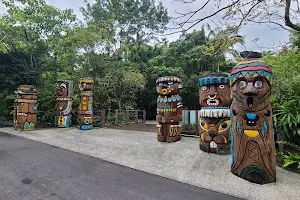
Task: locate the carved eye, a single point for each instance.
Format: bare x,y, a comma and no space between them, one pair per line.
63,85
160,84
242,85
221,86
203,125
258,84
204,88
170,82
224,125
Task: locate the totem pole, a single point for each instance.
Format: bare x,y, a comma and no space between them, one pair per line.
64,103
85,109
252,142
25,107
169,109
215,100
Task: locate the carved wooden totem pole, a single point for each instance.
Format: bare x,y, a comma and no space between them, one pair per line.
252,142
25,107
85,109
215,100
169,109
64,103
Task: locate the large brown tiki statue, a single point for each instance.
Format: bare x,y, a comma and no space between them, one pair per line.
215,100
169,109
252,142
64,103
85,109
25,107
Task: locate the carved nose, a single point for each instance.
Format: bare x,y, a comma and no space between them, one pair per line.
251,119
212,96
250,90
212,134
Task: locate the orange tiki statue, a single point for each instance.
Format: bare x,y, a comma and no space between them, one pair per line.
25,107
215,100
64,103
252,142
169,109
85,109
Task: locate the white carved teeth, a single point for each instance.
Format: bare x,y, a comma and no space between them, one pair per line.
212,102
212,144
216,113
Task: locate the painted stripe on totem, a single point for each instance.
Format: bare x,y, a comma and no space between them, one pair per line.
251,61
239,100
267,95
238,96
258,68
242,65
263,97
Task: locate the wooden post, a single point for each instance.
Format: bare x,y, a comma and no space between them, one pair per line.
103,117
197,123
137,116
144,116
116,117
189,117
127,116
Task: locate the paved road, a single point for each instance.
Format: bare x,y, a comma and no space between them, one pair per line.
31,170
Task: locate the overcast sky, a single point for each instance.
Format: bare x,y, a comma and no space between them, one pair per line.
268,39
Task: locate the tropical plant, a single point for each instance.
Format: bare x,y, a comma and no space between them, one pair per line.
289,159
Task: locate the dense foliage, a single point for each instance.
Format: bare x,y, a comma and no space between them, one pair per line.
40,43
116,45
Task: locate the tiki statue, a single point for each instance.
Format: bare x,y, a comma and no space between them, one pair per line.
215,100
64,103
169,109
252,142
85,109
25,107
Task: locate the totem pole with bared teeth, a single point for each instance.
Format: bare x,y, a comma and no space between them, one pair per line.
25,107
64,92
169,109
252,142
85,109
215,100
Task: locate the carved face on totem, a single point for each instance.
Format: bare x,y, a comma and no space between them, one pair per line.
214,91
252,147
26,90
214,132
25,107
64,88
86,84
214,115
251,90
168,85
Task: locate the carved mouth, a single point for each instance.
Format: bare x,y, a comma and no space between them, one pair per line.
213,102
213,145
59,92
164,91
250,102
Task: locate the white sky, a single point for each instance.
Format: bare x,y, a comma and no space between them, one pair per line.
268,39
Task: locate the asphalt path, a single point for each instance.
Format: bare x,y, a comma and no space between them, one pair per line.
30,170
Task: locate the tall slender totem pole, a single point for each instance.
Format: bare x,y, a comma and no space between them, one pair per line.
25,107
85,109
252,142
64,92
215,100
169,109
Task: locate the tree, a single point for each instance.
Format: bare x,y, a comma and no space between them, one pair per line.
33,41
129,22
117,88
282,13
